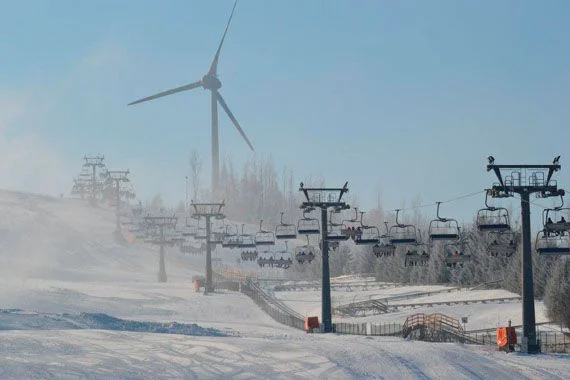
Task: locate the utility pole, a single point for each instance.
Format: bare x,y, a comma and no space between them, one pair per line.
162,223
525,180
325,198
118,176
208,211
94,162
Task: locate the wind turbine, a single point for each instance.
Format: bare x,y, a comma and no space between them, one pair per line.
211,82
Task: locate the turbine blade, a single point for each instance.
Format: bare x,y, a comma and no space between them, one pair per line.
169,92
214,65
233,119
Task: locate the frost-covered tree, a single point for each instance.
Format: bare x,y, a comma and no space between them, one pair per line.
557,293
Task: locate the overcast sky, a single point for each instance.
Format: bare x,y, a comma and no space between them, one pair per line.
400,98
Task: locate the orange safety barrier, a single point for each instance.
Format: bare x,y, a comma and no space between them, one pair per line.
311,323
506,336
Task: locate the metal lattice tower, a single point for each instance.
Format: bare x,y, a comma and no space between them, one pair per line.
118,177
525,180
94,162
208,211
163,224
325,198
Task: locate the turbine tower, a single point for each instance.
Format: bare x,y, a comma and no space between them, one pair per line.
211,82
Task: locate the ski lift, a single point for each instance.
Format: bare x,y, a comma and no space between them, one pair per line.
384,247
307,225
366,235
263,237
492,218
249,254
350,226
217,237
201,233
553,243
189,229
305,253
443,228
275,263
285,230
246,240
416,258
502,243
554,218
401,234
281,262
230,240
335,231
457,253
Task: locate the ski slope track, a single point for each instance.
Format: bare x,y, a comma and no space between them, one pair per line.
74,304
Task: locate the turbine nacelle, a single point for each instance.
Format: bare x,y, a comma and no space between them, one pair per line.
211,82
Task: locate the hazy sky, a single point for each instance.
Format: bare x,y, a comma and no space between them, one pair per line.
401,98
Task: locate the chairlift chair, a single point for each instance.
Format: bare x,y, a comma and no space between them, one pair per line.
492,218
285,230
335,231
502,243
190,229
443,228
230,240
305,253
384,247
201,233
457,253
307,225
366,235
281,262
245,240
414,257
263,237
402,234
553,244
249,255
554,219
217,237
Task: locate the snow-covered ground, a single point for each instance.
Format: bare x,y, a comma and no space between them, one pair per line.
58,259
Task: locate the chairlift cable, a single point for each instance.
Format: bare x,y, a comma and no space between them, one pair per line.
468,195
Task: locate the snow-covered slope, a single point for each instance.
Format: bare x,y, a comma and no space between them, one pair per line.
58,256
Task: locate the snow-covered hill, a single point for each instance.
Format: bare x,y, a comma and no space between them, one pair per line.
58,259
